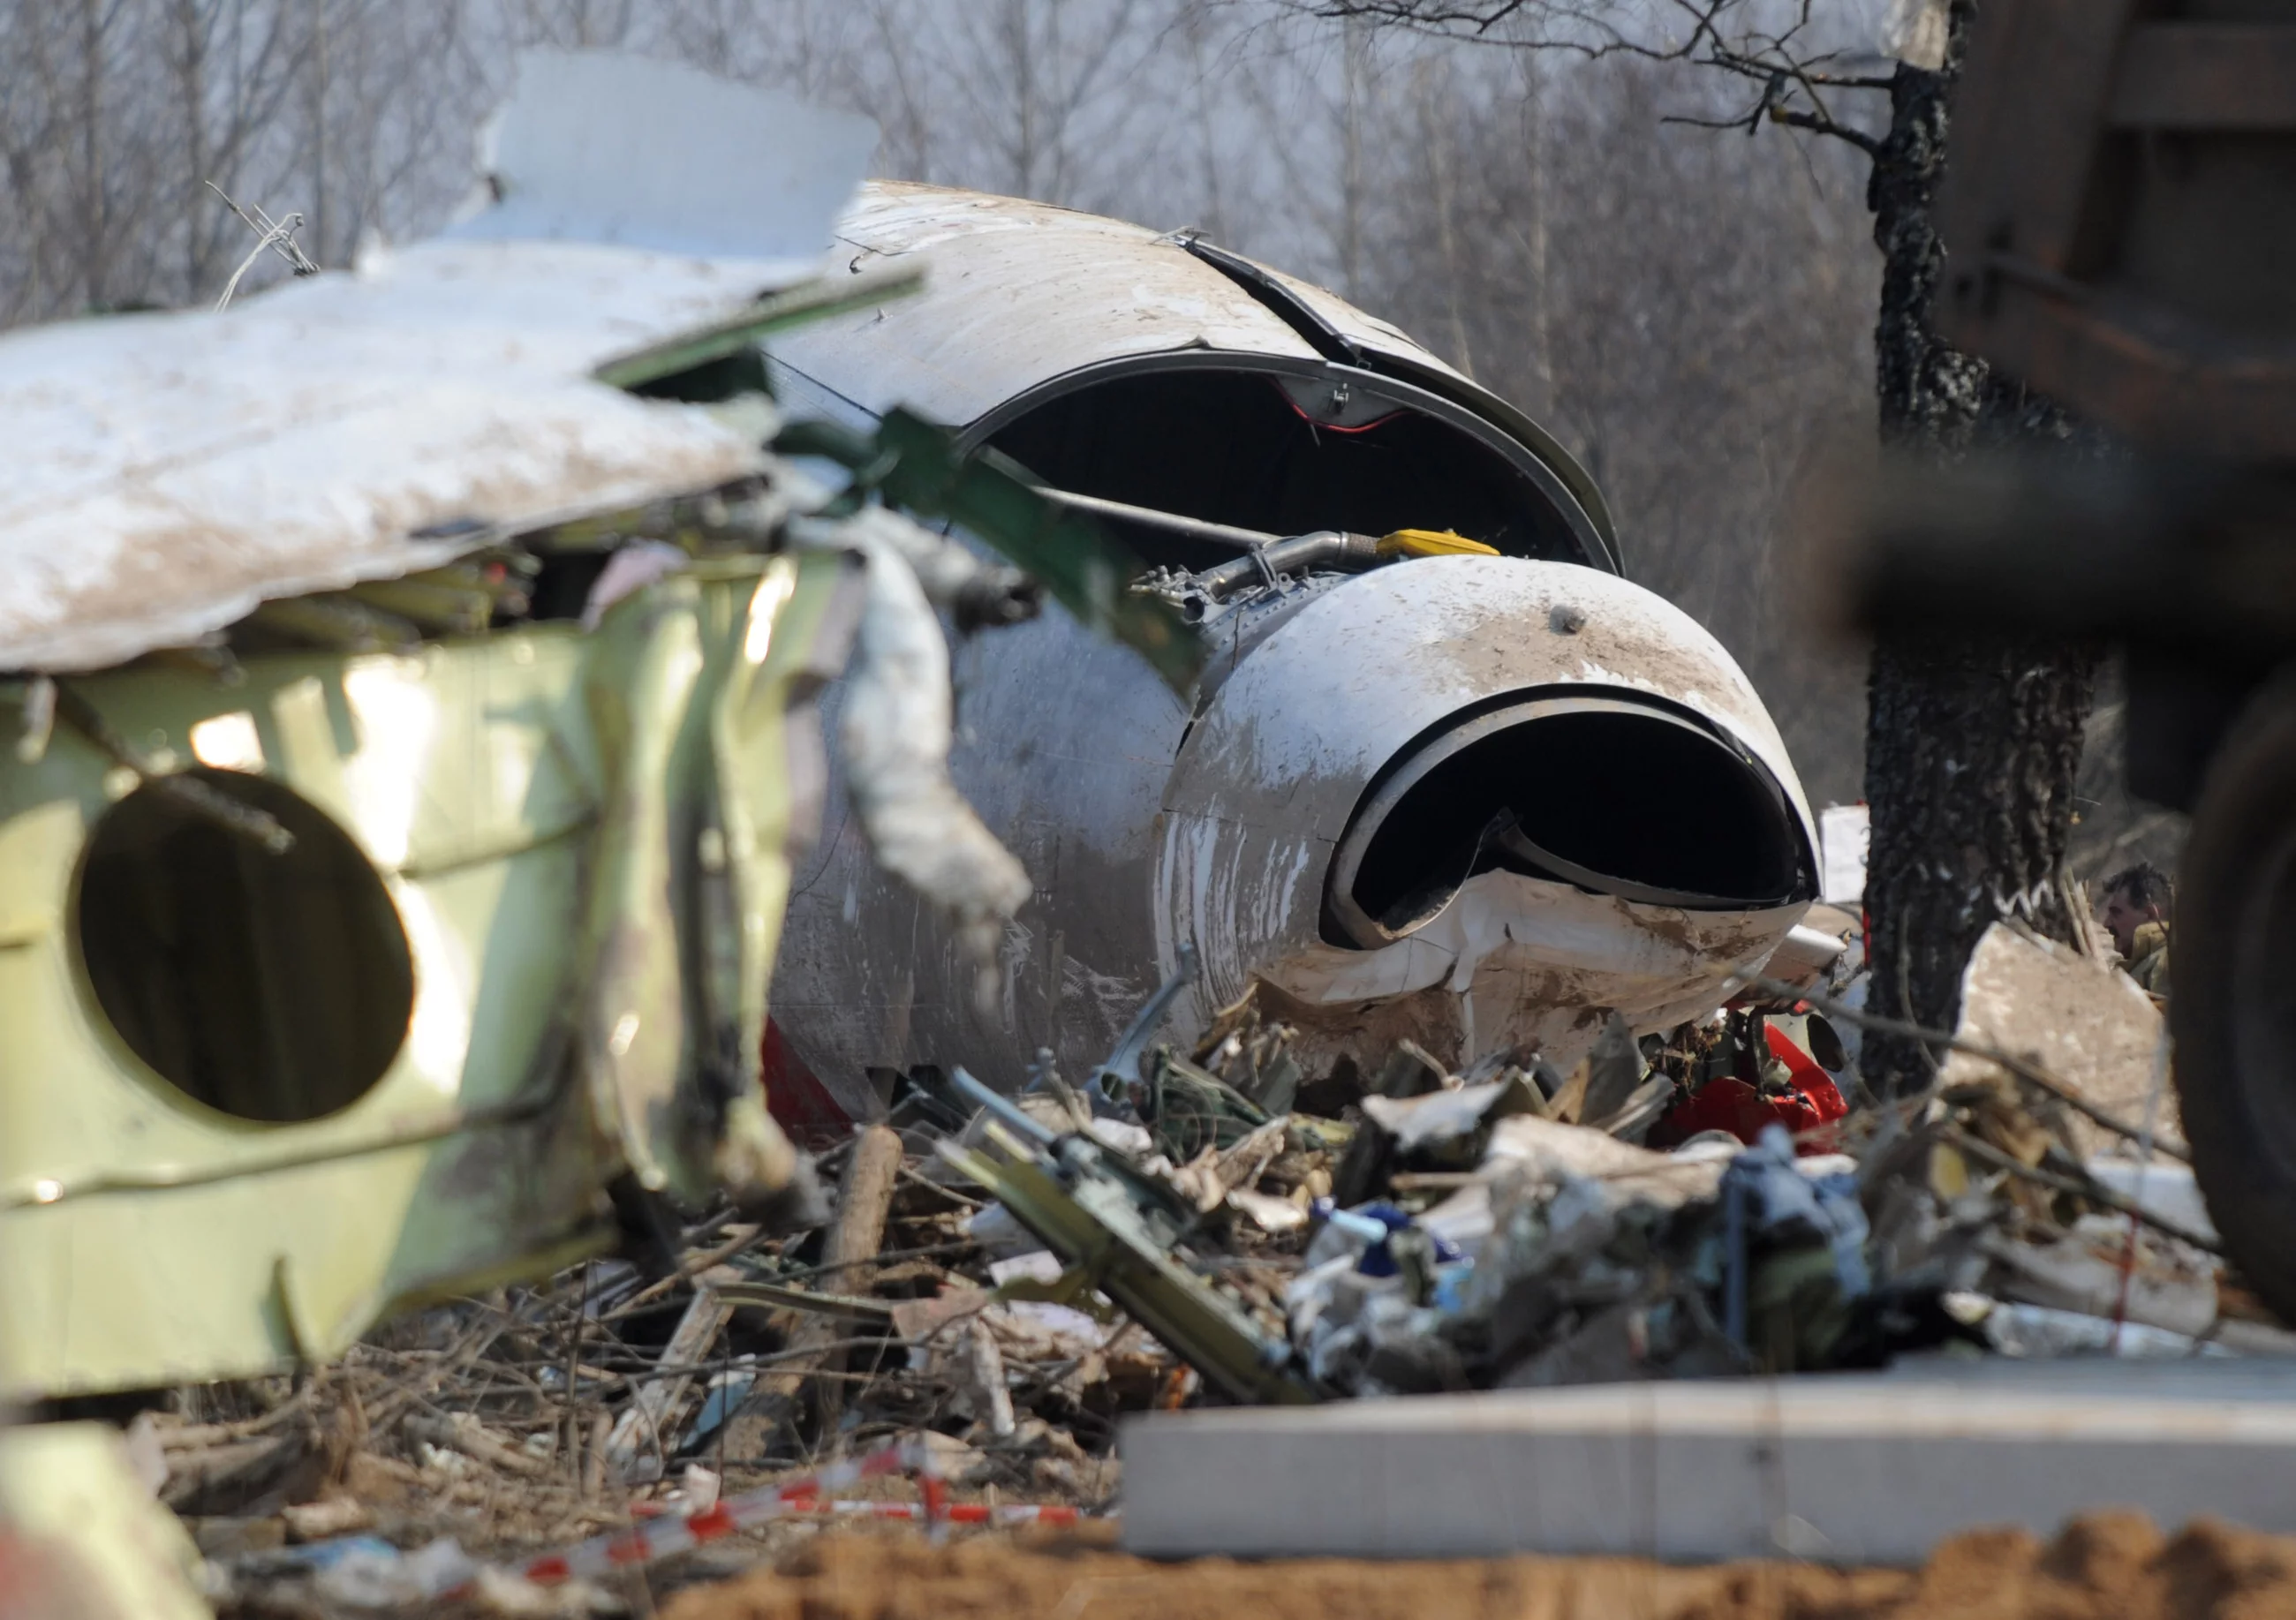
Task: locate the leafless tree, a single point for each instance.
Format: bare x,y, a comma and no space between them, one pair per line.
575,24
1040,98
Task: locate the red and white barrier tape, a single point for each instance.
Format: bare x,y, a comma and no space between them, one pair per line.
604,1555
959,1512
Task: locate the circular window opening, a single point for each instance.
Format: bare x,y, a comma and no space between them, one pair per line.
273,986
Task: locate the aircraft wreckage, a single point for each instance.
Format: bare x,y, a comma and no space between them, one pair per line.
413,671
1481,793
417,671
421,672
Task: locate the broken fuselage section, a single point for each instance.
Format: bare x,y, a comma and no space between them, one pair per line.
1477,799
413,671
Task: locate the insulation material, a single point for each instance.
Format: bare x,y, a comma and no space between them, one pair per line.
1844,832
895,729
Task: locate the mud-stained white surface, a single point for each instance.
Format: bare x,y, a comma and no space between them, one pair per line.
1516,961
1343,686
1270,775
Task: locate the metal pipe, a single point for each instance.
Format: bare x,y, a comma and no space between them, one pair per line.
1326,548
1222,534
1002,1107
1266,555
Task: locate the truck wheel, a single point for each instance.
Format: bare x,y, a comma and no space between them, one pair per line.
2232,993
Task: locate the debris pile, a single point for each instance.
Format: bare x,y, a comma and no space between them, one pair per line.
1701,1203
1005,1276
461,1443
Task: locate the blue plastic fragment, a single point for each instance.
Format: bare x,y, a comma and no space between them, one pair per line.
726,1396
1762,1192
327,1554
1375,1223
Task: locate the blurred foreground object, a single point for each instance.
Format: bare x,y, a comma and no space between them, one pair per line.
2120,215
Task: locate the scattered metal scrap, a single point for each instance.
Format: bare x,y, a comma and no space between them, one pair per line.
1115,1228
1188,1233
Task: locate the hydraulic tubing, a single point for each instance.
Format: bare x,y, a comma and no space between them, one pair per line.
1326,548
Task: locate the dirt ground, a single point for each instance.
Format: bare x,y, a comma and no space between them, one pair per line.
2110,1567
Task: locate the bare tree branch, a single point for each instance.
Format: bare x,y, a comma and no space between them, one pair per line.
1793,68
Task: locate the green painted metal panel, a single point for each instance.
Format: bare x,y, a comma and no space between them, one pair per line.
584,838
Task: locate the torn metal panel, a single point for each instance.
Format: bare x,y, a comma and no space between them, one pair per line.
1517,962
344,980
503,939
2089,1025
603,147
534,805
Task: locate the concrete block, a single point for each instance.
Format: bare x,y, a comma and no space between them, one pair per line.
1842,1468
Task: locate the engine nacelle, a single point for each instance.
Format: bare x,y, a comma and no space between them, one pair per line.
1479,800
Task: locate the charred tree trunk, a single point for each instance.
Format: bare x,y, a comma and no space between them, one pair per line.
1971,739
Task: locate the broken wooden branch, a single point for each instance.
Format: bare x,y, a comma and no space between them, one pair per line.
639,1445
864,1198
462,1432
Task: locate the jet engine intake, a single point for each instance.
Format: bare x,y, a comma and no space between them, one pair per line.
1615,797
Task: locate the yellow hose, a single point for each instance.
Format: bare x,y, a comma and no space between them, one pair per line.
1432,542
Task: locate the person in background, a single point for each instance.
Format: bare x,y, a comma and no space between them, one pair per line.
2139,902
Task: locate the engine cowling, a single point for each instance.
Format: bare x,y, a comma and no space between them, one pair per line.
1591,762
